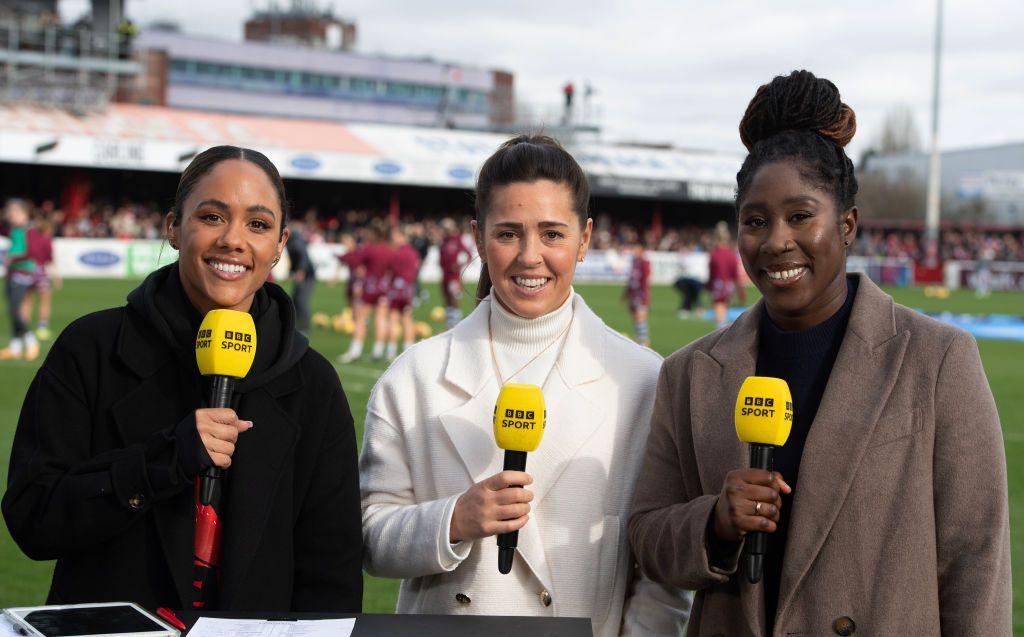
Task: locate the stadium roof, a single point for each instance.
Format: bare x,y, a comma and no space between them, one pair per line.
135,137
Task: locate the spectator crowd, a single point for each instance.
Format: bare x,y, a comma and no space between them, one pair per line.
144,220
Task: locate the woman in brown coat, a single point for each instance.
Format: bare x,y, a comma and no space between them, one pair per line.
887,513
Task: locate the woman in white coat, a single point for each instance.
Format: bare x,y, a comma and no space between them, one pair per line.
433,492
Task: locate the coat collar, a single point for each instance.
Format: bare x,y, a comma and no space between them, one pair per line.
253,478
470,363
139,347
864,373
572,406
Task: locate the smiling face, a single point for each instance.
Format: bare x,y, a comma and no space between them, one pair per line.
791,241
531,241
228,236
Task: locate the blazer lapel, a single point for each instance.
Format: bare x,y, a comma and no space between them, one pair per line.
572,414
864,373
254,477
716,380
469,370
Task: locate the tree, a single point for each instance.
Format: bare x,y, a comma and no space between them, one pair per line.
899,134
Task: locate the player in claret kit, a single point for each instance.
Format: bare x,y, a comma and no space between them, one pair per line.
114,430
886,507
375,260
405,265
637,294
353,260
454,254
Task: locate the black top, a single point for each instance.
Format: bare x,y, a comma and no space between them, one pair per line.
106,451
804,360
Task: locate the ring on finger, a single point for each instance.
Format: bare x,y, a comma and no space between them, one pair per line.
757,508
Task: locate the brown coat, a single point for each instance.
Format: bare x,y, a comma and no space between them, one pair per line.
900,519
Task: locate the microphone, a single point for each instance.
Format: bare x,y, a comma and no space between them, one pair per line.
764,416
225,350
519,421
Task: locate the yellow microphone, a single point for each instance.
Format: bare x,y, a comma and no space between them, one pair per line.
225,350
764,416
519,421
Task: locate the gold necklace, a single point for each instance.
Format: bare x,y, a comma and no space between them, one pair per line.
494,356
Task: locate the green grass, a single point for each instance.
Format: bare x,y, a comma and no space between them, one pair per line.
25,582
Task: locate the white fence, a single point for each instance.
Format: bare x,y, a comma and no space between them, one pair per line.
118,259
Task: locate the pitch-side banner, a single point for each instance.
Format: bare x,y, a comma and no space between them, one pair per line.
134,259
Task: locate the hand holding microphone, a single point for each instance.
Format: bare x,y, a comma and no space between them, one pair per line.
219,430
225,350
498,505
491,507
750,502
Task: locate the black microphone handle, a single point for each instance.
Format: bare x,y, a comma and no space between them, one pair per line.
221,389
761,457
507,542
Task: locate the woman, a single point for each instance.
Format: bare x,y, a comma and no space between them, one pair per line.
433,491
110,439
40,250
21,274
402,272
375,258
887,515
637,294
723,274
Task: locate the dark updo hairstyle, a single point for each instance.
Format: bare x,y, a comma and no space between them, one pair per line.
800,117
205,161
528,158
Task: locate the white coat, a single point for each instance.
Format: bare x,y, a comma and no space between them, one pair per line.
429,438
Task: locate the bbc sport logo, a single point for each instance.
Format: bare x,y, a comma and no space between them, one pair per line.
519,414
757,401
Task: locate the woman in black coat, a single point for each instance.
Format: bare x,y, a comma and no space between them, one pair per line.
110,440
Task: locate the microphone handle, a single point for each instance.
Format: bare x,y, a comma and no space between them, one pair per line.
507,542
221,390
761,457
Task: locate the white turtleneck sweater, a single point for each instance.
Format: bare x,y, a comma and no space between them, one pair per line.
526,349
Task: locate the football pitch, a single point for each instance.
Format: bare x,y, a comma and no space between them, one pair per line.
24,582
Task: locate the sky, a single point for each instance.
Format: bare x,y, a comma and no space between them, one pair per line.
682,71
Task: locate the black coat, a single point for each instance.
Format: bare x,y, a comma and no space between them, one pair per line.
97,480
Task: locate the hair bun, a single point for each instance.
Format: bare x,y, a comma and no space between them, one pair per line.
800,102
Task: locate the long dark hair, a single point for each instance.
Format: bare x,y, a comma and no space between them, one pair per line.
800,117
204,162
528,158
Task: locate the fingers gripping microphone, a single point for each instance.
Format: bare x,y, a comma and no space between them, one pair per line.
225,349
519,421
764,416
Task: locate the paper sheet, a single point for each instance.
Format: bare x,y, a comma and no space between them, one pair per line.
217,627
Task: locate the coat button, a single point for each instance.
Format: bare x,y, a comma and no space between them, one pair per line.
462,598
545,598
844,626
136,502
